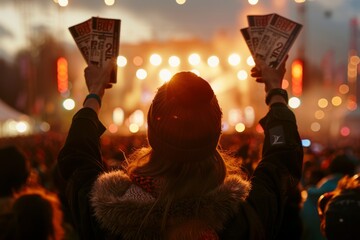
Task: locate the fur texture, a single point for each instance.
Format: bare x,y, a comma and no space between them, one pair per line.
124,208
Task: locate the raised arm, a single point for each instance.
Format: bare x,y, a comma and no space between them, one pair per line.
282,155
80,160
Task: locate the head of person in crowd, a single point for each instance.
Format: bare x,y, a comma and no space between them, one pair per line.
339,210
342,164
36,214
14,170
184,127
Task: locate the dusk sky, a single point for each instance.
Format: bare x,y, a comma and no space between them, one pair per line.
326,23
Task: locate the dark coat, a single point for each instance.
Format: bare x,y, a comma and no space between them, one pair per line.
257,216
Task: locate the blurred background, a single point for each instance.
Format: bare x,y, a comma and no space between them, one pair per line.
42,84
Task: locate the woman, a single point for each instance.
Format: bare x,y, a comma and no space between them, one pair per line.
181,186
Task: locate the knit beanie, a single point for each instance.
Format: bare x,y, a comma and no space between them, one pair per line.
184,118
14,170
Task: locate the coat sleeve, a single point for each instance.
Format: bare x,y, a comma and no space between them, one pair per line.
79,163
279,169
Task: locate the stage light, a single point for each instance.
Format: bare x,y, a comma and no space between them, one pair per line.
62,75
242,75
250,61
165,75
109,2
180,2
141,74
174,61
234,59
118,116
69,104
213,61
63,3
240,127
121,61
155,59
194,59
294,102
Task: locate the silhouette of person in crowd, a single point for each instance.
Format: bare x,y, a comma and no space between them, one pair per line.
181,186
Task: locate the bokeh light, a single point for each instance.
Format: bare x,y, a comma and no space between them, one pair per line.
134,128
240,127
141,74
250,61
194,59
345,131
294,102
315,126
118,116
165,75
155,59
113,128
138,61
234,59
180,2
336,101
109,2
63,3
319,114
213,61
242,75
253,2
174,61
121,61
344,89
69,104
323,103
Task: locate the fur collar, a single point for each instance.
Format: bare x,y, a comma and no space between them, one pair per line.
122,207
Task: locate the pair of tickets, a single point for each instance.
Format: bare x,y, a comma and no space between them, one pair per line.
270,37
98,41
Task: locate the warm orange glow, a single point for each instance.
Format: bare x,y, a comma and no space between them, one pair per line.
62,75
297,77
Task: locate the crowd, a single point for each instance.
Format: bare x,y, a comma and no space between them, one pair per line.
177,184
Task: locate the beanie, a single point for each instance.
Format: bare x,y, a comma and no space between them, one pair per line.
184,118
14,170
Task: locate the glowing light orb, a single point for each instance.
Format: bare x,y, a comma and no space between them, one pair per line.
234,59
121,61
69,104
253,2
155,59
294,102
315,126
213,61
194,59
180,2
323,103
242,75
109,2
63,3
174,61
141,74
250,61
165,75
240,127
134,128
